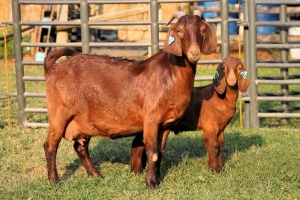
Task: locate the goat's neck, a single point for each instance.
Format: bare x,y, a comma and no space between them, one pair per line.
182,64
231,94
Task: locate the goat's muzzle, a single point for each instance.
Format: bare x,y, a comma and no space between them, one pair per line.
193,55
231,81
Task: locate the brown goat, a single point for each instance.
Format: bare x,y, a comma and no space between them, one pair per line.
93,95
211,109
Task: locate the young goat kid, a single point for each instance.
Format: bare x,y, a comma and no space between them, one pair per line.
93,95
211,109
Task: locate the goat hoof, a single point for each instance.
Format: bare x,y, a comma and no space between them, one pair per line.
152,185
216,169
134,171
94,174
53,180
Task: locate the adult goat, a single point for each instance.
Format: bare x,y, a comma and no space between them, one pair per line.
95,95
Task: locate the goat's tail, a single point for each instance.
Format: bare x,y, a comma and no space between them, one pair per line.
54,55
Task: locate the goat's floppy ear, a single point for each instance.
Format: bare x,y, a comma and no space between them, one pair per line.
219,82
243,80
209,40
172,43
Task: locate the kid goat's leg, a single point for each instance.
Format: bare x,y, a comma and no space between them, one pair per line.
213,150
221,140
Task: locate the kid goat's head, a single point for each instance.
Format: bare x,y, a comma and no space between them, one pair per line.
232,73
190,36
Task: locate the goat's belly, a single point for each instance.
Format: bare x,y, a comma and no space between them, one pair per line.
79,128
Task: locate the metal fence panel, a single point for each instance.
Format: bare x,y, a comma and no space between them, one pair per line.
86,44
285,80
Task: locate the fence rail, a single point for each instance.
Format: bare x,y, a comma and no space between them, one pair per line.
253,112
284,64
85,44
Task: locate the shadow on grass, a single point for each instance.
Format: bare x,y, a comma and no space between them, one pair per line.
185,145
180,147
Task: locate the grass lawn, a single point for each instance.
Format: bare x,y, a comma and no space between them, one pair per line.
259,164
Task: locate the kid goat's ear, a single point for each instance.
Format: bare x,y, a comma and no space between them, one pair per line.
219,82
243,79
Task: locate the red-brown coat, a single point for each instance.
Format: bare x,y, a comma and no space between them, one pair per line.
92,95
211,109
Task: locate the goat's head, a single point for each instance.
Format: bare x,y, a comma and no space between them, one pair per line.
233,73
189,36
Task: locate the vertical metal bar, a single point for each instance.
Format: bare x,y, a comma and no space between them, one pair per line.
18,63
246,58
154,27
85,32
284,58
252,64
224,28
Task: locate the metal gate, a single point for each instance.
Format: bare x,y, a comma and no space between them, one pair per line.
253,112
254,108
86,44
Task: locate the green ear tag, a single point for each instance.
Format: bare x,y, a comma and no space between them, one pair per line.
244,74
217,75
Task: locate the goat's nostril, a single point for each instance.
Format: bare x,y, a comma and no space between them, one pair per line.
195,53
231,80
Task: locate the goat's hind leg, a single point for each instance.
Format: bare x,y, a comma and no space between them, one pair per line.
50,147
138,159
138,154
81,147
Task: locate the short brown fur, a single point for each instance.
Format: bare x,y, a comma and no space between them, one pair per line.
93,95
211,109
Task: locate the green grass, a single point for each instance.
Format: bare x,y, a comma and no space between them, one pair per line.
259,164
9,44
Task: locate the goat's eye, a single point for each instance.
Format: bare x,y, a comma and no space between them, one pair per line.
180,34
202,30
239,68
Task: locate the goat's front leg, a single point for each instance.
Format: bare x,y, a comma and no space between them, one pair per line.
213,151
138,158
82,149
153,156
138,154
